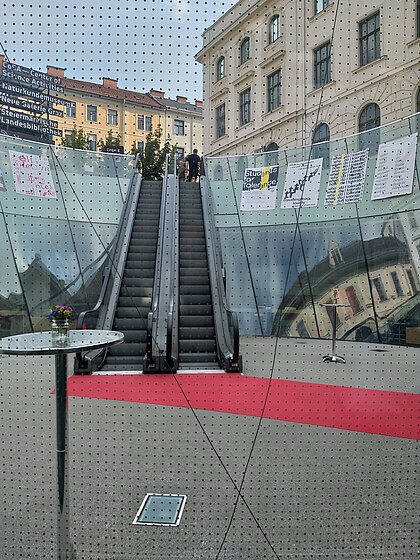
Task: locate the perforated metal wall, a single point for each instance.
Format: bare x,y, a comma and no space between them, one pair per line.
295,459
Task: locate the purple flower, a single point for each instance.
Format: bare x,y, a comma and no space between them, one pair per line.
61,312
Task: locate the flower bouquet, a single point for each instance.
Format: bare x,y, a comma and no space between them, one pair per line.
60,316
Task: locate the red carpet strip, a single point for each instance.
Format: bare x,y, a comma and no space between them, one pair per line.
387,413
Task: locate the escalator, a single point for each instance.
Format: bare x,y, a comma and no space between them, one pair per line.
164,286
197,338
135,295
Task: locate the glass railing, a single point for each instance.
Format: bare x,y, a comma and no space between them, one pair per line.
60,210
332,230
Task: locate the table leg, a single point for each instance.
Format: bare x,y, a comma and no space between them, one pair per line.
64,548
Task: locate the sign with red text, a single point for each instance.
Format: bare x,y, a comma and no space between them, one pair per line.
32,174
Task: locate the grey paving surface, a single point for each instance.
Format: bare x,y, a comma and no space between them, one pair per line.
308,492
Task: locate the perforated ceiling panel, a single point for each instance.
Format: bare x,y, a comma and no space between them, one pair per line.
293,458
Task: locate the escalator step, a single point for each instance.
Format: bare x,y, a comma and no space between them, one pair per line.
133,301
195,299
131,312
196,310
198,358
138,291
201,332
125,324
196,321
195,289
128,349
134,280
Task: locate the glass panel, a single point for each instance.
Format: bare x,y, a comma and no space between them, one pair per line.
55,248
283,264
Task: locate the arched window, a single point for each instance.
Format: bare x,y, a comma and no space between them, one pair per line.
218,173
272,155
220,68
245,50
274,29
241,165
321,136
369,118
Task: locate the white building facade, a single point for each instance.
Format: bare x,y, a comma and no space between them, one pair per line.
283,73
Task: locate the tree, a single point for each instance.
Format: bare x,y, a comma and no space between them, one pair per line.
110,140
77,139
152,155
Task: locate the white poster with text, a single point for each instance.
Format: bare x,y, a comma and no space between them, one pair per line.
260,188
32,174
394,170
346,183
302,183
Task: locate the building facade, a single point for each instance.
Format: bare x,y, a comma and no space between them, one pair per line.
286,74
100,109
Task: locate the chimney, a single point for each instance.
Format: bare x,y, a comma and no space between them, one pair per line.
198,103
55,71
110,83
181,99
157,93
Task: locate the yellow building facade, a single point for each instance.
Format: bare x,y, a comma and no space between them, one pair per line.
100,109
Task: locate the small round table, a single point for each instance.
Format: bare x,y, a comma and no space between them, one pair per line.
42,343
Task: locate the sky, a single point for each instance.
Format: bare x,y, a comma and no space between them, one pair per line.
144,44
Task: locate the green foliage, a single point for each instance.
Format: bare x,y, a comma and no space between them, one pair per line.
78,139
152,156
110,140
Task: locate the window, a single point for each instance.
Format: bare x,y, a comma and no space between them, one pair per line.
220,121
274,29
321,5
140,145
274,90
302,330
179,127
410,277
245,107
370,118
322,65
379,287
353,300
68,134
397,284
180,152
369,39
112,116
144,123
321,136
245,50
92,141
412,220
92,113
220,68
71,111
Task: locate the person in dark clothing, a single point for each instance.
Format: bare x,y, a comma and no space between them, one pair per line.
193,161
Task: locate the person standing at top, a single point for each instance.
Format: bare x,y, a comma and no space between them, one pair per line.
193,161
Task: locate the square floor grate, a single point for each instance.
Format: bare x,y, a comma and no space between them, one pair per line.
161,509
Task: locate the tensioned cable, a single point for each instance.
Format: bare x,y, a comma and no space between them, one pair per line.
275,350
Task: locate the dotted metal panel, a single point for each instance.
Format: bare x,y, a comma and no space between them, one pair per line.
257,487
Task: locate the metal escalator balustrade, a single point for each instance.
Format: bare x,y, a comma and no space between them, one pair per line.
135,295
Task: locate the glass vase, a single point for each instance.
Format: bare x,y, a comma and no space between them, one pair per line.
59,331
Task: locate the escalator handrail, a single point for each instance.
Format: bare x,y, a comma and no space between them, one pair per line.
172,331
154,307
228,345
